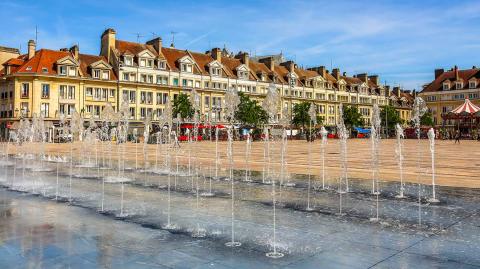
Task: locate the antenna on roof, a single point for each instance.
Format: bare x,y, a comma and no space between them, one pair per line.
173,39
36,35
138,36
154,35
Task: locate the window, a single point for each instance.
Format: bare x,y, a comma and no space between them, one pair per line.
207,84
63,70
150,78
162,98
207,101
132,112
44,70
175,82
128,61
104,94
143,97
215,71
72,71
45,90
149,98
143,112
89,91
472,85
143,62
149,63
106,75
112,93
126,76
446,86
143,78
71,92
458,85
67,109
25,90
44,109
162,80
186,68
96,73
24,108
132,97
162,65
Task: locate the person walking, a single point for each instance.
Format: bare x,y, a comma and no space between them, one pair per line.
457,137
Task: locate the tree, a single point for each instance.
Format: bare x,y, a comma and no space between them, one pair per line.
301,116
182,106
391,116
250,112
427,119
351,117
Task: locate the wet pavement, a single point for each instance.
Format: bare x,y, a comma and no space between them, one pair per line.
39,232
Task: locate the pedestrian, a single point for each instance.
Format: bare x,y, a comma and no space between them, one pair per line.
457,137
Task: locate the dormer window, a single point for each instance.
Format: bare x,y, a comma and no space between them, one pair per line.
106,75
243,74
96,73
458,85
472,84
128,61
149,63
72,71
446,86
143,62
63,70
186,68
162,65
215,71
293,82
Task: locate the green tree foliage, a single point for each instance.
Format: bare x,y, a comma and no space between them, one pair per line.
351,117
250,112
301,116
182,106
427,119
391,116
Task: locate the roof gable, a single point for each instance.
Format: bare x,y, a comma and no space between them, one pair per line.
67,60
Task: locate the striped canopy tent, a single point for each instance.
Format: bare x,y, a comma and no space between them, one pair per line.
465,110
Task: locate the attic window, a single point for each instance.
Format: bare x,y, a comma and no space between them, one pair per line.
44,70
458,85
446,86
472,84
162,65
29,68
215,71
127,60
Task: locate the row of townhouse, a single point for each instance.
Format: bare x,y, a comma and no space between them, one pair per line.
448,90
55,82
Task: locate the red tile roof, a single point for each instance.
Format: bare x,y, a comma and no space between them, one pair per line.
124,47
465,75
85,60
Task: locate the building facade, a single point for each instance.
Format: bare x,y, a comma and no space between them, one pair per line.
55,82
449,90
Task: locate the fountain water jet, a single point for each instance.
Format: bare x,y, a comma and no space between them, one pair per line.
343,136
312,114
231,106
400,158
271,104
431,138
419,109
324,134
375,140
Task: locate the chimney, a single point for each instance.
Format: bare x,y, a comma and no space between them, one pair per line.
414,93
269,62
156,43
290,65
244,58
217,54
438,72
336,73
107,43
456,72
388,91
74,51
397,91
363,77
31,49
320,70
374,79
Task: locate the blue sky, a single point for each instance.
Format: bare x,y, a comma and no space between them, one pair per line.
402,41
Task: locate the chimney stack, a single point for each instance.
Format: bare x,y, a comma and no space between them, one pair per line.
388,91
74,51
438,72
397,91
244,58
456,72
290,65
336,73
217,54
31,49
156,43
374,79
363,77
107,43
269,62
321,70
